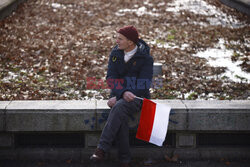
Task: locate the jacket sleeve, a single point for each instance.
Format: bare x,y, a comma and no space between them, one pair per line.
115,83
144,78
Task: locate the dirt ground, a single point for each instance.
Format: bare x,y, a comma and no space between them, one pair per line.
48,48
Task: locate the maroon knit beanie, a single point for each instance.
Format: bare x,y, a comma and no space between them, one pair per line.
130,32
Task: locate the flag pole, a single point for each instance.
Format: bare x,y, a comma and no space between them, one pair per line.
139,98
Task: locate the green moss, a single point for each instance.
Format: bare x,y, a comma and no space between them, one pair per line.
171,37
192,96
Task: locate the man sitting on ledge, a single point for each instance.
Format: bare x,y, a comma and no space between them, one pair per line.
130,63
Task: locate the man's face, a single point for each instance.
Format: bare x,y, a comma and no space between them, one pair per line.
123,42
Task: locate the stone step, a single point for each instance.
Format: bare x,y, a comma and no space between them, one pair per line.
240,5
8,6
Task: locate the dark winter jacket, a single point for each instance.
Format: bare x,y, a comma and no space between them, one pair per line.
134,76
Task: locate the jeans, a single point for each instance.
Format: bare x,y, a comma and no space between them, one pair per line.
117,129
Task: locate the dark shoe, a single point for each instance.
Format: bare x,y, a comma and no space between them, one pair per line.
124,164
149,162
98,155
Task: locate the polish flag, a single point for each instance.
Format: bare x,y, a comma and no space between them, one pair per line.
153,123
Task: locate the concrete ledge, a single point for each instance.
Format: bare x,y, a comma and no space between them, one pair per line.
240,5
7,6
5,3
50,116
75,115
218,115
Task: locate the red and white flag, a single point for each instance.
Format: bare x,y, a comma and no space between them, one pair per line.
153,124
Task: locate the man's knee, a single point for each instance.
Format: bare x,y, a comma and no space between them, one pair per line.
121,104
120,107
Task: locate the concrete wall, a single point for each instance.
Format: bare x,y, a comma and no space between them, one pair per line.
50,116
30,116
88,117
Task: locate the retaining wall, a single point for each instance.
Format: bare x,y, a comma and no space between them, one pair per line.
193,121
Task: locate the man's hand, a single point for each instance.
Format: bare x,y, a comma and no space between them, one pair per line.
111,102
128,96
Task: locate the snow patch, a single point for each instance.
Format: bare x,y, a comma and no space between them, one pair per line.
221,57
168,45
139,12
216,17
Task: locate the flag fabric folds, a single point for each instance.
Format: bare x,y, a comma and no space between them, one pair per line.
153,123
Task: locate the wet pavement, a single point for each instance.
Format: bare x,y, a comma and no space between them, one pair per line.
135,163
